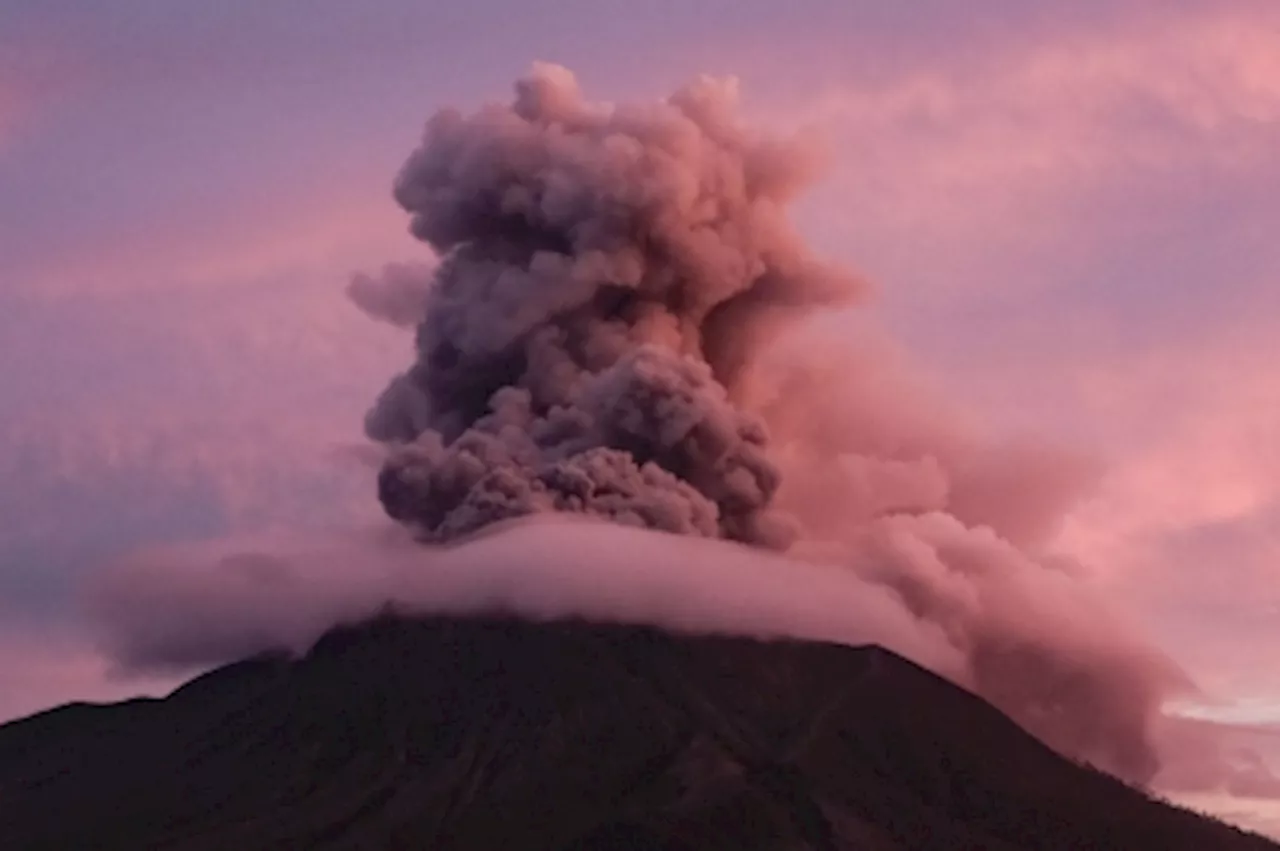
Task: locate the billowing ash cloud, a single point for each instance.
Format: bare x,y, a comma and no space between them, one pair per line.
622,325
604,275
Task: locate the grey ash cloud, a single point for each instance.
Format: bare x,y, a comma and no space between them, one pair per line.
605,275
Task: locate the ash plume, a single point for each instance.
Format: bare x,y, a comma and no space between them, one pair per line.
623,326
605,274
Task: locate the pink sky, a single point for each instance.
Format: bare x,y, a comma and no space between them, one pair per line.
1064,207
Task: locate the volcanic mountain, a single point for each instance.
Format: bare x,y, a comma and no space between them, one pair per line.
480,733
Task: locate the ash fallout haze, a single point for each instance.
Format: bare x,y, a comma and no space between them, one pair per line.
960,356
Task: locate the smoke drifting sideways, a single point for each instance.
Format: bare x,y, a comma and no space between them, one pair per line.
181,607
623,326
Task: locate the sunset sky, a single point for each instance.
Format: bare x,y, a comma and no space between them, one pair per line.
1066,209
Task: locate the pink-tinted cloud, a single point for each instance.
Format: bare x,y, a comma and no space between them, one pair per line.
1183,526
925,587
235,462
318,235
1228,768
1078,159
208,604
1015,152
40,669
1190,422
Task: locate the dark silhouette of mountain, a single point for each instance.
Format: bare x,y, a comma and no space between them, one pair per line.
498,734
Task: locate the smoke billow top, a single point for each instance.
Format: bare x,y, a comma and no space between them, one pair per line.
605,275
620,326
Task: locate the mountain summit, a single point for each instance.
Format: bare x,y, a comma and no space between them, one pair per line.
500,734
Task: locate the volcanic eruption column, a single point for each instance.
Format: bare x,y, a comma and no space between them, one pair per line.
604,274
590,343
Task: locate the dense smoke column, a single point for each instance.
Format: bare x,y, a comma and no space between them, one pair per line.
605,275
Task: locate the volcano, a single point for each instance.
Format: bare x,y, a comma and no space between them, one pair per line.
488,733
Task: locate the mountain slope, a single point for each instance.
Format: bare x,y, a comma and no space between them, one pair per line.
495,734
